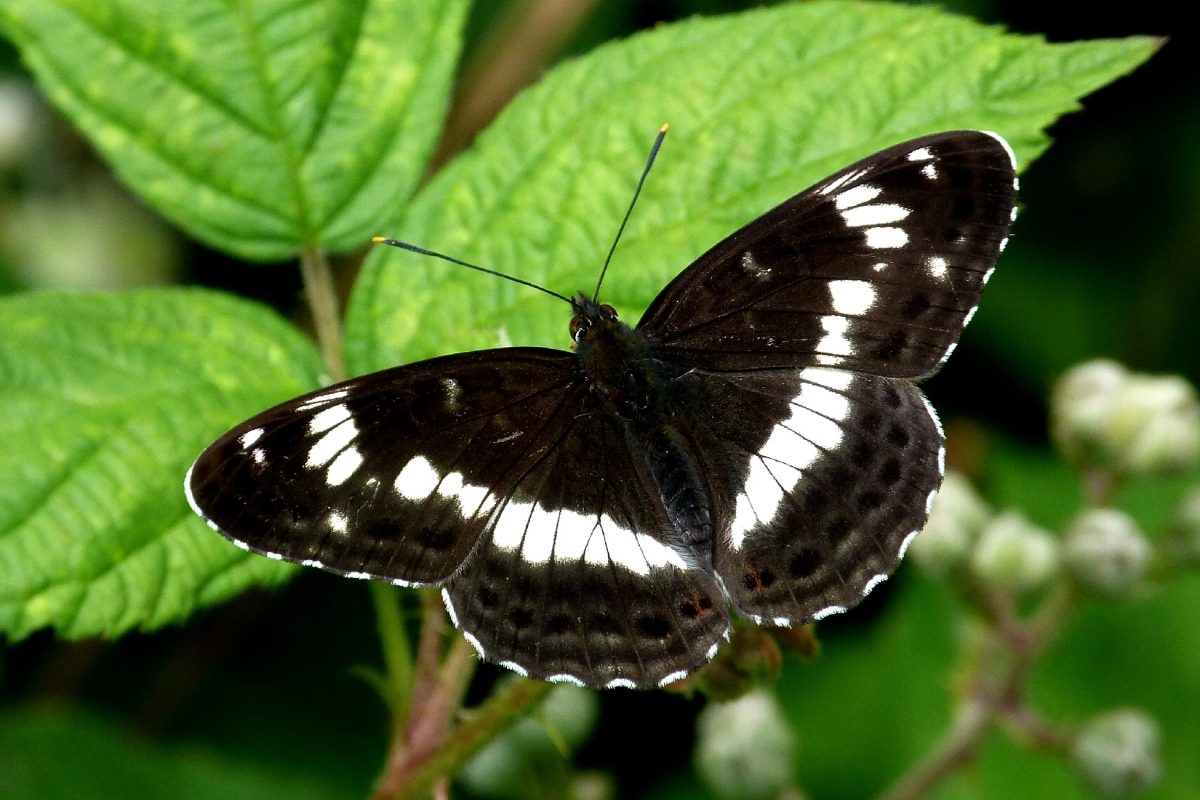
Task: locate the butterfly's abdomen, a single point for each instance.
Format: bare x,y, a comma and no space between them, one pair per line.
630,385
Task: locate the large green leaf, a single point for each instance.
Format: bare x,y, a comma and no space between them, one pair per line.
258,126
107,399
761,105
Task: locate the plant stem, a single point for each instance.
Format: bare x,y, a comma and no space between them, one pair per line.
393,639
993,697
322,301
484,722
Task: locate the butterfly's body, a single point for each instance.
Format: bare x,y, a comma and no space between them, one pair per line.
756,442
633,389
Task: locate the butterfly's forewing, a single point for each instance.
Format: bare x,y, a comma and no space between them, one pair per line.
490,470
875,269
394,475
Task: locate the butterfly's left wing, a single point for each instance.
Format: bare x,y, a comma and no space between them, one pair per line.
809,324
491,473
875,269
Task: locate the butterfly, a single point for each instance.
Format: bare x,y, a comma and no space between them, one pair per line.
755,443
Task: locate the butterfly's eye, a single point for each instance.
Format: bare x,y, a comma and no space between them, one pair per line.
608,312
579,326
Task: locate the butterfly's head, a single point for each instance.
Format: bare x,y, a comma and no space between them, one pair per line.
590,317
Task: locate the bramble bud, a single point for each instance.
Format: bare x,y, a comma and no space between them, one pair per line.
1128,423
1080,408
1117,753
745,749
957,516
509,764
1014,554
1105,552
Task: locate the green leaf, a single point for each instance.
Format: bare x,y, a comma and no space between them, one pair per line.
761,105
259,127
53,753
107,400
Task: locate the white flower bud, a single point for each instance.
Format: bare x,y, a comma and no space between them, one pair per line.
958,514
510,763
1105,552
1127,423
1117,753
1080,408
1155,426
744,748
1014,554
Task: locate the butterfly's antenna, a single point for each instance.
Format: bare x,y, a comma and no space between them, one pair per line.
662,132
414,249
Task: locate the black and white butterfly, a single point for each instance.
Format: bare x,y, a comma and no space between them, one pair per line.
755,442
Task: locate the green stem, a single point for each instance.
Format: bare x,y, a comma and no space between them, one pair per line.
397,654
322,301
484,722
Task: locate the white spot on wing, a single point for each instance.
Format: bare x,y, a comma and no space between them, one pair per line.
450,607
920,154
337,522
871,584
541,534
930,172
937,266
674,676
794,445
828,612
851,297
856,196
874,214
620,683
332,442
907,541
322,399
346,463
565,678
834,345
248,438
515,667
886,238
324,420
417,480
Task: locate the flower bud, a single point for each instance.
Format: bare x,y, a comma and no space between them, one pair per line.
1117,753
745,749
1105,552
1015,555
1080,408
1156,425
957,516
1128,423
509,764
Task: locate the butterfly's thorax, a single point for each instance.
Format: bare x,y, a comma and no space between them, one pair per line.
633,388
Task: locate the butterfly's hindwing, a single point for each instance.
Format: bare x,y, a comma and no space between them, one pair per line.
836,473
876,269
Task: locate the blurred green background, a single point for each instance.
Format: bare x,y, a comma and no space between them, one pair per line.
1105,261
